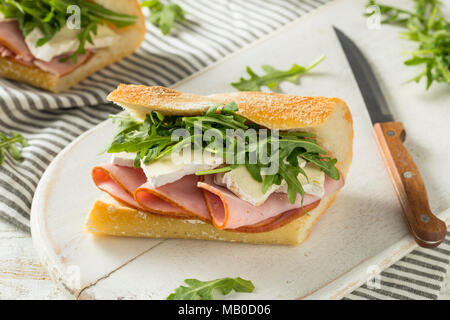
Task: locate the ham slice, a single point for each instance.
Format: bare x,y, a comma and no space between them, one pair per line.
12,38
13,46
5,52
190,198
230,212
59,68
279,221
119,182
129,186
181,199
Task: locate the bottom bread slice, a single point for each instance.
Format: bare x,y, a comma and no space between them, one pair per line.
108,217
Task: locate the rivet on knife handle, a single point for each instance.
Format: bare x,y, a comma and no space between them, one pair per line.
426,228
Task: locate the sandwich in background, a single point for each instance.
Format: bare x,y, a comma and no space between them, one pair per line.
54,45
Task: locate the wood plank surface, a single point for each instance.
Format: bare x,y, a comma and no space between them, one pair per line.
21,274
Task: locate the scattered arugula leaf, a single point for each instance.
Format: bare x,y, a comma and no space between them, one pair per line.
431,30
164,16
205,290
151,140
10,144
273,77
50,16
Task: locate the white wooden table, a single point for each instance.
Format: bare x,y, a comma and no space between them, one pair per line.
21,274
23,277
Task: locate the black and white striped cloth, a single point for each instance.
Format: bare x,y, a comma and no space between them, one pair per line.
215,29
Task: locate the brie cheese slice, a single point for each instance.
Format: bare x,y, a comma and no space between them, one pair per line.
172,168
66,41
242,184
125,159
313,185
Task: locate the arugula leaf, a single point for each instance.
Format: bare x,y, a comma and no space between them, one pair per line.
268,181
290,173
273,77
254,171
326,164
204,290
151,140
230,109
164,16
214,171
50,16
10,144
426,26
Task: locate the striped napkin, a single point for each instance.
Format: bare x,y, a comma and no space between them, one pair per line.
217,28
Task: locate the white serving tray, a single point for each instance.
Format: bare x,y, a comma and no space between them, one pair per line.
361,233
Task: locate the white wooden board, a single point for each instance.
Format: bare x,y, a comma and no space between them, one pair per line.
361,230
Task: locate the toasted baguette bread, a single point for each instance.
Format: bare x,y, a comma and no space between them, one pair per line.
129,39
329,118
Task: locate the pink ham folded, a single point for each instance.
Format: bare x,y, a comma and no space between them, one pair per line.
119,182
181,199
13,46
129,186
60,67
190,198
5,52
12,38
277,222
230,212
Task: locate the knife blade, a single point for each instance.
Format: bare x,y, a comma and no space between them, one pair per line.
427,230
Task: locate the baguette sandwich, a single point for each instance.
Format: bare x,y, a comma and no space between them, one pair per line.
54,45
248,167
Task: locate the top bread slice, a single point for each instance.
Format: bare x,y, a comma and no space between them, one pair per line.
329,118
129,39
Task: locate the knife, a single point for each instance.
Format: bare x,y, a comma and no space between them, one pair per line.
425,227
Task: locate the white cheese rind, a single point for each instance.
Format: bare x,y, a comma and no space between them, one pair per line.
172,168
313,185
66,41
123,159
241,183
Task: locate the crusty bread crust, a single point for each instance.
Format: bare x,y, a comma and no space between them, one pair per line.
130,38
280,111
140,100
272,110
329,118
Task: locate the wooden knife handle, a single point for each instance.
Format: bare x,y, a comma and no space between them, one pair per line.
426,228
